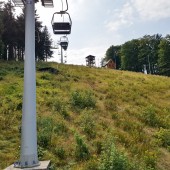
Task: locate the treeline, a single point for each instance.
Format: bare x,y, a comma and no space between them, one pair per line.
12,36
149,54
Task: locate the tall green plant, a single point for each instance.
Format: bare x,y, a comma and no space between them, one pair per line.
112,159
81,151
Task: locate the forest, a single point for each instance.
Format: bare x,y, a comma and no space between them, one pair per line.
12,36
149,54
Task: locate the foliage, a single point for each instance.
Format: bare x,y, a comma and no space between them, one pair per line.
88,124
149,54
60,152
131,107
81,151
13,40
163,137
112,159
164,57
45,132
129,52
113,53
83,99
149,116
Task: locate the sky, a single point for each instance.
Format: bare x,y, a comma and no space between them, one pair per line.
99,24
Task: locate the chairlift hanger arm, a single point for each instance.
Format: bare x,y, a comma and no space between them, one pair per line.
66,6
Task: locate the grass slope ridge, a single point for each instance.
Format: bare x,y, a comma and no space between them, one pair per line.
89,118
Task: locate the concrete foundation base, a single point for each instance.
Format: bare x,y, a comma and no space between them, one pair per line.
44,165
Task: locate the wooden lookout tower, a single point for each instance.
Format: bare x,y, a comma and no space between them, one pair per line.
90,61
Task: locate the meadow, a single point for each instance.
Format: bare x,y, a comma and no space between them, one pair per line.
89,118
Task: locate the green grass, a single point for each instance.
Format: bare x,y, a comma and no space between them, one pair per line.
89,118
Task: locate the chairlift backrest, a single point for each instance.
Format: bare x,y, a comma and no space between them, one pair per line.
61,27
64,42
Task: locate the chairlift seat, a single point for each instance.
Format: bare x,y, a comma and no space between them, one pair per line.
61,28
64,45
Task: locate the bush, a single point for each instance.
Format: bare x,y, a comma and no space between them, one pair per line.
163,136
59,106
60,152
60,128
83,99
81,152
45,127
40,152
149,116
150,159
112,159
88,124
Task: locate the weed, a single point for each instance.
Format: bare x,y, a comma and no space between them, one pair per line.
81,151
60,152
60,128
40,152
150,159
110,105
59,106
112,159
115,116
83,99
163,137
46,76
92,165
45,127
149,116
88,124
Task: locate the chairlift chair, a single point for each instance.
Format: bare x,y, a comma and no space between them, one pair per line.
64,42
63,26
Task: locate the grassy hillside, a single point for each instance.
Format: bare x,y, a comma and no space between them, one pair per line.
89,118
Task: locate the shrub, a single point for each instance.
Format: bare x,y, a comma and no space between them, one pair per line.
163,136
149,116
83,99
46,76
150,159
60,128
40,152
92,165
88,124
82,151
60,152
59,106
112,159
45,127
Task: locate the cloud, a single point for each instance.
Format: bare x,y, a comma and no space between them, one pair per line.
152,9
121,18
134,11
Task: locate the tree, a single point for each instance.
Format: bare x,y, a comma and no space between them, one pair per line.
42,41
47,53
113,53
20,38
1,31
148,52
9,33
164,56
129,56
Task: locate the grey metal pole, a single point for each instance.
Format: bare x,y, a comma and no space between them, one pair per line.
29,156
